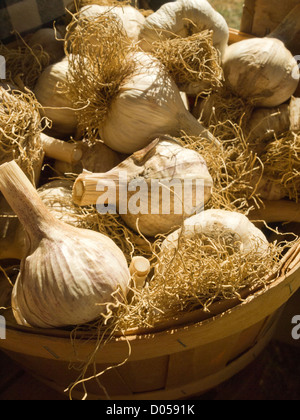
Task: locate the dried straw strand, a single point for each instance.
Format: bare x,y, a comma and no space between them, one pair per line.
191,60
20,129
24,64
94,83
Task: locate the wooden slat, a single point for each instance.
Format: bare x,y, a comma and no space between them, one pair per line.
190,365
260,17
236,36
242,316
247,16
9,372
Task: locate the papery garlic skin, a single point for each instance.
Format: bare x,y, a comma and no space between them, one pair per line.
261,70
57,196
130,17
265,123
68,290
183,18
162,162
149,104
50,92
234,227
270,190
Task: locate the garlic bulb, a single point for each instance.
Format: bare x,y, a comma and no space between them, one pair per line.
216,255
69,274
234,228
130,17
268,189
156,208
57,196
262,70
48,39
267,122
126,96
148,104
183,18
50,93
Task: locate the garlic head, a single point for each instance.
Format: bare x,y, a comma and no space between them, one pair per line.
184,18
261,70
130,17
50,93
68,275
234,228
157,187
148,104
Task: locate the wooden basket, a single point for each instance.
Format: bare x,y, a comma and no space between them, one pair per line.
169,363
185,358
260,17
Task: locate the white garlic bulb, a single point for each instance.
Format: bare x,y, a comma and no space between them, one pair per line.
51,94
148,104
262,70
68,274
267,123
183,18
130,17
234,228
144,182
268,189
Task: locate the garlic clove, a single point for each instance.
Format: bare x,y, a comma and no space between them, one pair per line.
68,275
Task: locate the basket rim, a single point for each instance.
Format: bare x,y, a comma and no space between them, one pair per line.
255,308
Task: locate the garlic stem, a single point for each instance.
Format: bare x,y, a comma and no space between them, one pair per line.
85,196
25,201
190,126
139,270
277,211
61,150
